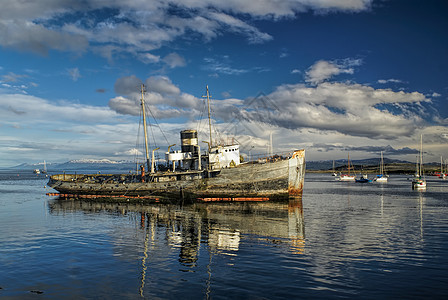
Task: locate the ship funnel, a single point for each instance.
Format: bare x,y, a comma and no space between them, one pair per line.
189,141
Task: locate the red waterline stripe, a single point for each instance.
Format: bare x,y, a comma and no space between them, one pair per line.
101,196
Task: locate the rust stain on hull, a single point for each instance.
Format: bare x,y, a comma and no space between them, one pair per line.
295,192
298,154
296,173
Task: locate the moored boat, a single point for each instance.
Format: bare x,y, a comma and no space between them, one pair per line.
347,177
382,178
191,175
363,179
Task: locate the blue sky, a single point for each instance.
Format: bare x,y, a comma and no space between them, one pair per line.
333,77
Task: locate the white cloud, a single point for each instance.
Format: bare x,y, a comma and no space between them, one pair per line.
127,85
323,70
129,152
149,58
236,25
222,66
174,60
162,97
436,95
125,106
351,109
36,25
27,109
162,85
34,37
12,77
74,74
384,81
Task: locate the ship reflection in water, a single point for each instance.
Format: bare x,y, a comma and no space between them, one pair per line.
217,228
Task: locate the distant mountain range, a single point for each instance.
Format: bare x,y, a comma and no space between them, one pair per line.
342,163
104,165
94,165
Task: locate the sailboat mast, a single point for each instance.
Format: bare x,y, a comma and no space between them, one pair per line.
441,165
349,164
144,127
421,155
209,119
382,164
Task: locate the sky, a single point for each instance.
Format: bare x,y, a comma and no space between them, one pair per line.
332,77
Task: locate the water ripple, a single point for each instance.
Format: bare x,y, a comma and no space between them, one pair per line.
340,241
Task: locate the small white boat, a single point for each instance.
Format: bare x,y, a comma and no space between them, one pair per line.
347,177
418,184
381,177
36,171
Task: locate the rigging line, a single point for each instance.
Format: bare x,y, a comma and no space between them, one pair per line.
204,107
153,135
158,125
137,143
218,134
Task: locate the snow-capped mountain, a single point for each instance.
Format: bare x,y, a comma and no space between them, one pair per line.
94,165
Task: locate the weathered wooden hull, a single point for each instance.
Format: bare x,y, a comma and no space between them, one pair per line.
273,180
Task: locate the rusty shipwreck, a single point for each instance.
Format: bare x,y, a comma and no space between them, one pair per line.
215,175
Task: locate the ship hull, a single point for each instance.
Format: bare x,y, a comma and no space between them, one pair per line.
280,179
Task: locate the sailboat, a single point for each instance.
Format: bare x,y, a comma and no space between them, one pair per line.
363,178
216,175
347,177
334,172
44,171
381,177
419,182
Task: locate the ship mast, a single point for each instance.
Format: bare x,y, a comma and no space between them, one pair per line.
209,119
144,127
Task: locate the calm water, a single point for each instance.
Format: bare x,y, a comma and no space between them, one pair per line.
342,240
